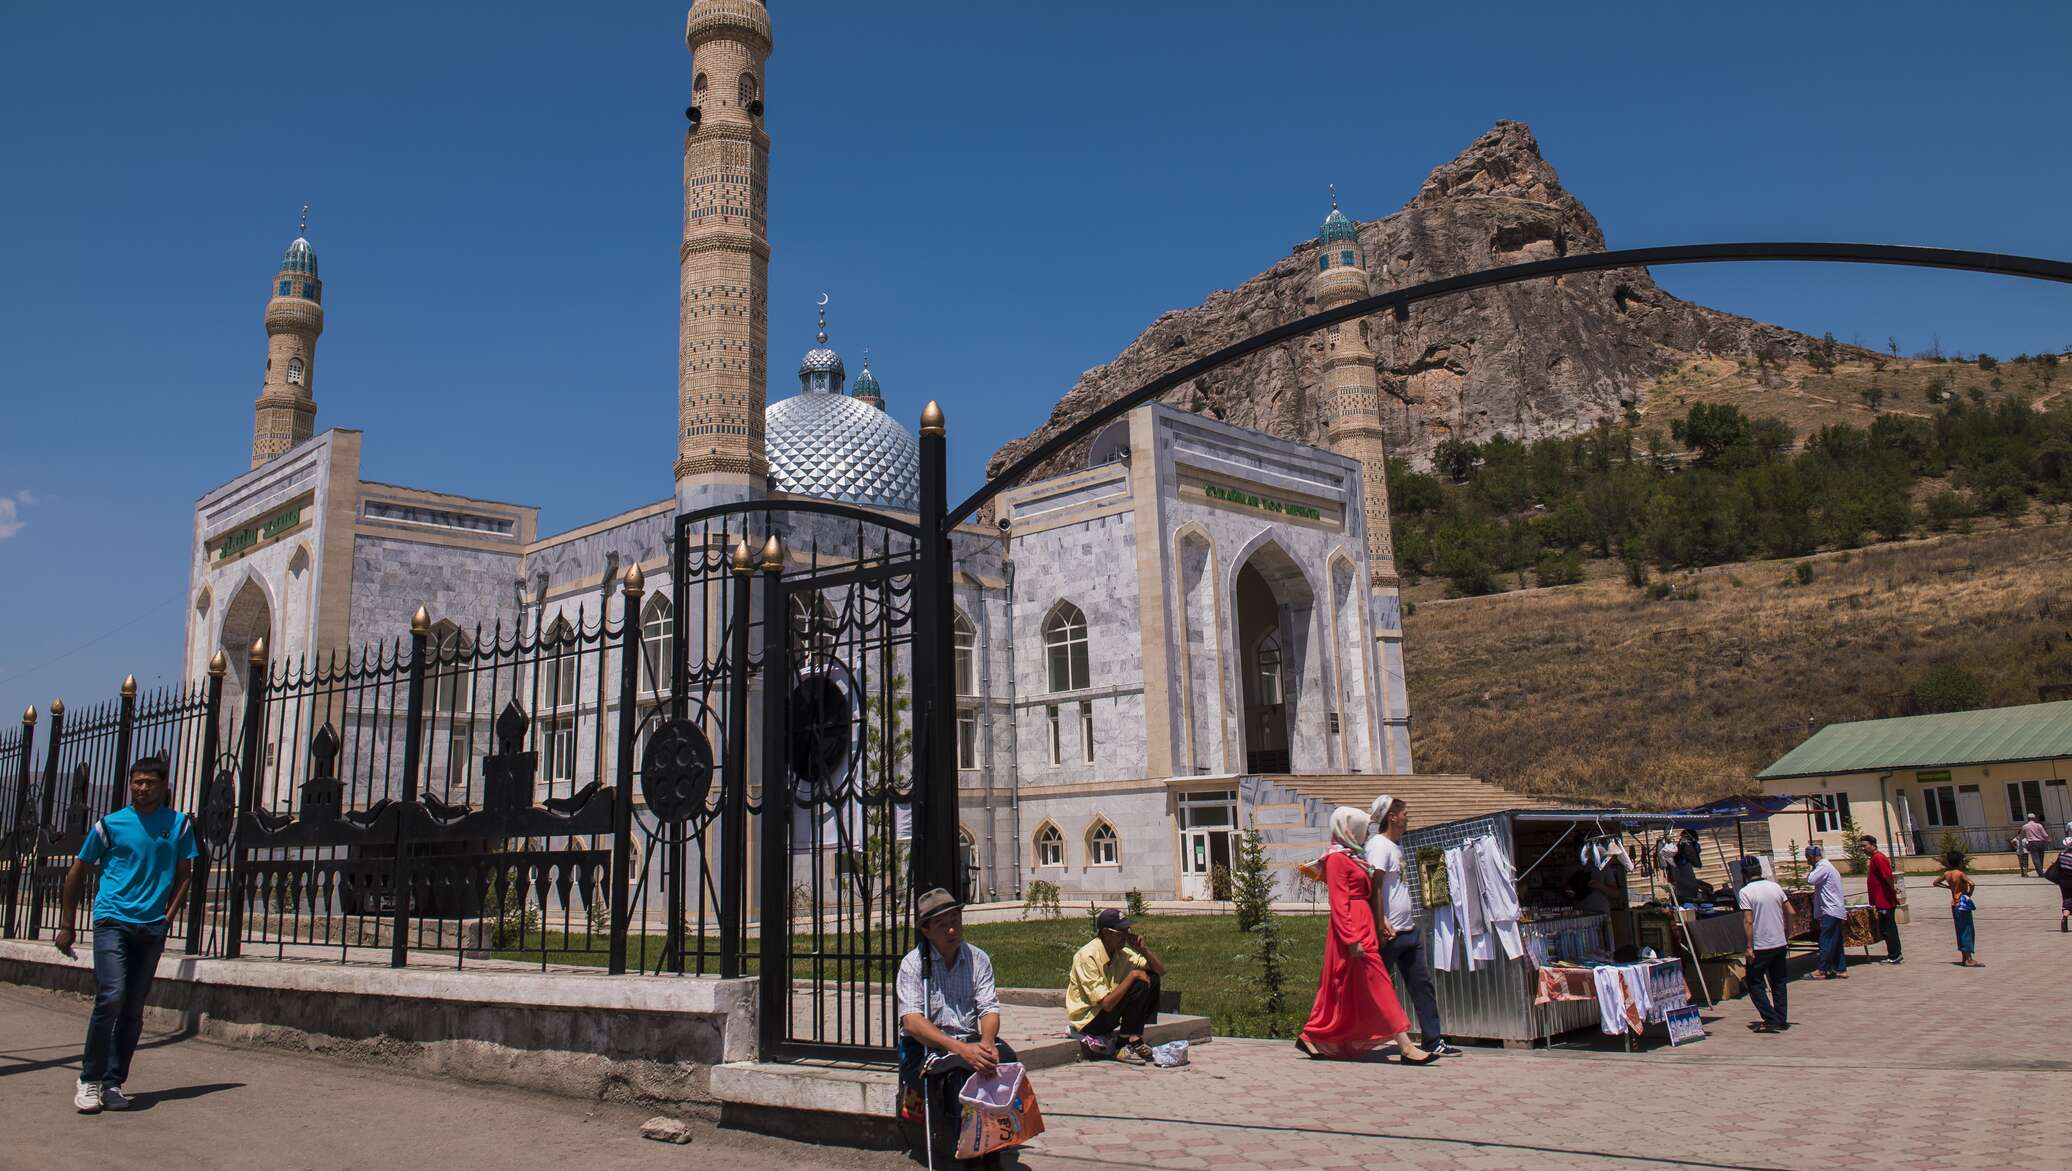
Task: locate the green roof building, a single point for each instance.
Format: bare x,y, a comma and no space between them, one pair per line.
1922,783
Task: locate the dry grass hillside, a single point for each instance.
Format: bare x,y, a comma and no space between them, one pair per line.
1810,399
1595,690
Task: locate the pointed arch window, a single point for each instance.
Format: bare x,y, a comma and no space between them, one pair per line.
295,371
559,656
964,646
1050,846
814,628
1064,646
1103,848
658,645
1268,663
447,654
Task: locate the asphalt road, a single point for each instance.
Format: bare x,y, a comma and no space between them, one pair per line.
205,1105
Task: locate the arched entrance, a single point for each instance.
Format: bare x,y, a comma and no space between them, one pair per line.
1273,603
247,619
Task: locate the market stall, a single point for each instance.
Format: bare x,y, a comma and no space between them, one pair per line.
1567,940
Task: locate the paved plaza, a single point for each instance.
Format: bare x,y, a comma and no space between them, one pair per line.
1925,1065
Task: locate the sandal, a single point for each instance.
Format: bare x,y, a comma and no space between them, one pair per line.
1302,1047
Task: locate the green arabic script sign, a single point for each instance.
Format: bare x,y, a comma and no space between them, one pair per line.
1263,503
244,538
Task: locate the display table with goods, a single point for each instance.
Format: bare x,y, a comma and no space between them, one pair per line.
1499,908
1530,928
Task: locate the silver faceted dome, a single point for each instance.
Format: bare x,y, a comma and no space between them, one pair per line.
840,448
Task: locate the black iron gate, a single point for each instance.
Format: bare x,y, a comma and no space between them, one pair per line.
838,781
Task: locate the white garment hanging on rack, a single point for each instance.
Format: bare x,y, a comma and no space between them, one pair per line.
1498,887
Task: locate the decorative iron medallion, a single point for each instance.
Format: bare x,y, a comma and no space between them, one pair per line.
219,806
823,729
676,773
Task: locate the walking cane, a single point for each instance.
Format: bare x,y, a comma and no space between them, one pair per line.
927,1106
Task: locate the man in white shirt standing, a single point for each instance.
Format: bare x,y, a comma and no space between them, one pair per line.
1762,917
1396,921
1830,912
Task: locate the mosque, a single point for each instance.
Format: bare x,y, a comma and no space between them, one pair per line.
1198,630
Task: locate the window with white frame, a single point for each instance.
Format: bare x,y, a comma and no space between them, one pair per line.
1940,802
1830,810
1064,647
814,627
560,756
964,646
558,660
450,678
967,738
1269,663
657,645
1057,735
1050,846
1102,848
295,371
1086,731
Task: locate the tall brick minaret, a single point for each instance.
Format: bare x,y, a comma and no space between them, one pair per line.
724,324
1352,387
286,413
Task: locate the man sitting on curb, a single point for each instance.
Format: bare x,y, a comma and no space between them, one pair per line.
1112,989
949,1014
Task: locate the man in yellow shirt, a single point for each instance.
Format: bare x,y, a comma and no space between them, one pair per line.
1112,989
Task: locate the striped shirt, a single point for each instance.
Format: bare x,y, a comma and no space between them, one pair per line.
960,994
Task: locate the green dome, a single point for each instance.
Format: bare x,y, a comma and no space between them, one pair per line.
866,385
300,257
1336,228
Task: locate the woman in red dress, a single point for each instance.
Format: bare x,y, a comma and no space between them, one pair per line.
1356,1008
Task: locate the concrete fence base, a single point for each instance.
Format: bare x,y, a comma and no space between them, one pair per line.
651,1040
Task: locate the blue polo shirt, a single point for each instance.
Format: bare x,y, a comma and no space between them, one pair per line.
137,854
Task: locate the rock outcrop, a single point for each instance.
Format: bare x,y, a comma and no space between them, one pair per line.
1547,357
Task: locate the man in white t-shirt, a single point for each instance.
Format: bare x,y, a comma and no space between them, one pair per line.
1395,920
1762,916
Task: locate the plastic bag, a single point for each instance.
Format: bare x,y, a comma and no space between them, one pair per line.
1170,1054
1099,1048
998,1112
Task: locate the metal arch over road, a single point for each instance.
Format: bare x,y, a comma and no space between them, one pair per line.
1400,301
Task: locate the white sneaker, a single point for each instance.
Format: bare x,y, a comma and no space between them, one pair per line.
87,1099
112,1096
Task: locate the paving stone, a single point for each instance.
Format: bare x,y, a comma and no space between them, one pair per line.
1921,1064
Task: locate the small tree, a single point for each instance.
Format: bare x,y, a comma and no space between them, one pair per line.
1042,898
1859,859
1251,886
1950,844
1133,903
1272,974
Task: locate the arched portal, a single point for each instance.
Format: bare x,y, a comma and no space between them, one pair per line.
247,619
1273,605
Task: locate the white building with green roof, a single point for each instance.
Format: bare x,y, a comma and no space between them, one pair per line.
1915,781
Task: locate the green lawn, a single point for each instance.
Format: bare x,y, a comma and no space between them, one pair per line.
1213,966
1208,961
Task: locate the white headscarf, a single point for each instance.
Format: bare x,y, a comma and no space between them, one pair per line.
1379,811
1349,828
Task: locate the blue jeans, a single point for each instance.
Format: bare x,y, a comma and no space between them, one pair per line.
1832,961
1405,953
1967,938
125,959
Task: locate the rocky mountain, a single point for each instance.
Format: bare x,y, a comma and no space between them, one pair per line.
1548,357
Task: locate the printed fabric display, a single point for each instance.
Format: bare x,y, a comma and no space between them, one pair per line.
1632,996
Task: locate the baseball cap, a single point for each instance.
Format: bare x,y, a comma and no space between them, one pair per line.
1111,919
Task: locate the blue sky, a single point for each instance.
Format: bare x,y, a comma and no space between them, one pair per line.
994,196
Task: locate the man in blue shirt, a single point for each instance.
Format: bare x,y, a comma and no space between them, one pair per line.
145,853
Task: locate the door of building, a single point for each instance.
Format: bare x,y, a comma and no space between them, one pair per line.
1206,821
